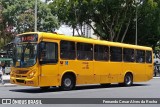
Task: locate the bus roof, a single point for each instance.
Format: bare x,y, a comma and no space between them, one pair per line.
46,35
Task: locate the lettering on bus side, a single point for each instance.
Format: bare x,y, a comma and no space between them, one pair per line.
86,65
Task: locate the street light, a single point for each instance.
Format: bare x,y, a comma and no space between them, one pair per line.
35,17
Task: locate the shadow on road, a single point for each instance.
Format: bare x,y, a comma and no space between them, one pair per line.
87,87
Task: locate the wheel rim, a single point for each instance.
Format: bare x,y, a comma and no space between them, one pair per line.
67,82
128,80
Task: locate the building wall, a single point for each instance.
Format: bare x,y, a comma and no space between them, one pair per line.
88,31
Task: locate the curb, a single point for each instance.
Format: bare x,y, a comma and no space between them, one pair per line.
8,85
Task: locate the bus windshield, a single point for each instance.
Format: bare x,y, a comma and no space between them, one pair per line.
24,55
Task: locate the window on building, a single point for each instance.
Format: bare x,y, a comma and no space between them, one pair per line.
128,55
101,53
67,50
84,51
148,57
115,54
140,56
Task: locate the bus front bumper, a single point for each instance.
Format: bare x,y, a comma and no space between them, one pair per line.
24,81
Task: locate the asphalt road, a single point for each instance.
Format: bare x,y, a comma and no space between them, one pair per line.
150,89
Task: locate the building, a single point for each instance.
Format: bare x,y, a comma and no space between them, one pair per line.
88,32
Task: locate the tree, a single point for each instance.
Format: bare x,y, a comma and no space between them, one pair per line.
18,18
109,16
149,23
69,14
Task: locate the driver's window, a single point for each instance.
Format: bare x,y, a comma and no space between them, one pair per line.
48,52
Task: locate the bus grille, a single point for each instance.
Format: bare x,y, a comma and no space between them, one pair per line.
20,76
20,81
21,72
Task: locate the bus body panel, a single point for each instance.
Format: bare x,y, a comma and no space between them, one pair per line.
82,69
20,76
86,72
149,71
49,75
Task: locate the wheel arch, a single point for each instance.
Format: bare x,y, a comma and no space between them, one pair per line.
69,72
129,72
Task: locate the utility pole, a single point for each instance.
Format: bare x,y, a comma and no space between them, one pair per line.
136,26
35,17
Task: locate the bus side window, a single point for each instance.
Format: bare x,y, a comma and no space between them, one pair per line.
84,51
101,53
116,54
128,55
67,50
148,57
140,56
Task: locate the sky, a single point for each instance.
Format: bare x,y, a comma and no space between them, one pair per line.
64,29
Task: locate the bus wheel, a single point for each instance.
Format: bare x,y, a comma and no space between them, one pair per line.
44,88
68,83
128,79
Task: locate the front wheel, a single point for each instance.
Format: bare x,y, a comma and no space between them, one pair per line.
128,80
68,83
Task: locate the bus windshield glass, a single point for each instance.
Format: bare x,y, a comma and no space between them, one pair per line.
25,54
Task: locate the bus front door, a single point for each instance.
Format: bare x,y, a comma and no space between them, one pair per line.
49,64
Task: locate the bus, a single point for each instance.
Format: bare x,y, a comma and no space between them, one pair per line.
45,59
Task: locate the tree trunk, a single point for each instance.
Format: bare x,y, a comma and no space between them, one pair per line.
126,30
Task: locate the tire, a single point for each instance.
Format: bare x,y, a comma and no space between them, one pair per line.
128,79
44,88
68,83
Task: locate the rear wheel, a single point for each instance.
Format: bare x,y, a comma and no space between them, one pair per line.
68,83
128,80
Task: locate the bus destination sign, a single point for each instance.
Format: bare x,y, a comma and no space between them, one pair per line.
29,38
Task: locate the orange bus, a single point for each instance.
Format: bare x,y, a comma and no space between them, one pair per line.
45,59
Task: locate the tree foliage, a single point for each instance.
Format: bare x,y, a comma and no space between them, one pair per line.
18,16
113,20
109,16
149,23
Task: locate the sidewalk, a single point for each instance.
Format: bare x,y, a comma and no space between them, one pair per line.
6,79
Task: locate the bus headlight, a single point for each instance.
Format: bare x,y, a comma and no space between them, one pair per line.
12,74
31,74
